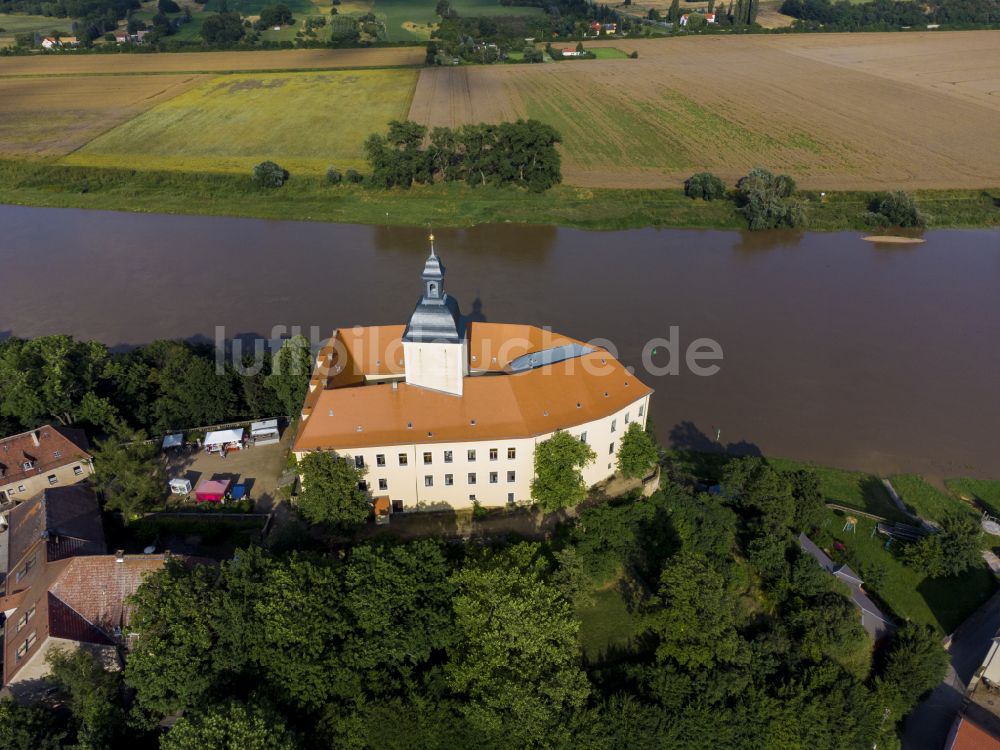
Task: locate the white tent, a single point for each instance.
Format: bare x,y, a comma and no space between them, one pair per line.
265,432
224,437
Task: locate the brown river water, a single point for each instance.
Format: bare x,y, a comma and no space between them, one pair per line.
882,358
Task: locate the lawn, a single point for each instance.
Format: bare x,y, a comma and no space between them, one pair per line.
306,122
943,603
984,491
398,14
605,624
608,53
926,500
20,23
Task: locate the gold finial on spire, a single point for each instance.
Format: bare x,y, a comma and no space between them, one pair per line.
432,244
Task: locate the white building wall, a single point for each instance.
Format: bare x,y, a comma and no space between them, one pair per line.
435,365
406,482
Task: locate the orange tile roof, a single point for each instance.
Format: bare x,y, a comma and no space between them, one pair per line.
971,736
535,402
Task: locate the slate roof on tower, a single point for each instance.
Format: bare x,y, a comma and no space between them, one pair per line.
436,317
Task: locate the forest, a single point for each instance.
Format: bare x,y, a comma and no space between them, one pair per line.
739,639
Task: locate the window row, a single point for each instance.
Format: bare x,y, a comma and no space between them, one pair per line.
27,644
449,479
403,459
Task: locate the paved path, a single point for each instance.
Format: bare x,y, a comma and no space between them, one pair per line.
927,727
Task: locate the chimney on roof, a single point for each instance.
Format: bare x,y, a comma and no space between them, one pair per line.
395,387
120,556
34,439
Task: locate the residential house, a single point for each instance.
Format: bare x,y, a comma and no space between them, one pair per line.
38,459
62,590
51,42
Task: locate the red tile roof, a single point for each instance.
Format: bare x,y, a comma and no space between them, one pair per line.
970,736
67,518
54,449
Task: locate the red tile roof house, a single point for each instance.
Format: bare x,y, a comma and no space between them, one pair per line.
33,461
62,590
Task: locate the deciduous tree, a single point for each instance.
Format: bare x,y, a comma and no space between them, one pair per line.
558,481
637,453
330,493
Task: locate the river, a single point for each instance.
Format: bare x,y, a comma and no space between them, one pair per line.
882,358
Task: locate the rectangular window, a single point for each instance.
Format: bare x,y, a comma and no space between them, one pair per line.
53,479
363,486
428,481
383,484
397,506
22,621
472,477
380,459
26,466
583,437
642,409
512,453
626,417
511,476
510,497
472,455
611,449
449,480
26,568
614,425
472,498
359,462
403,459
427,457
21,651
493,454
20,488
493,477
77,470
448,457
56,454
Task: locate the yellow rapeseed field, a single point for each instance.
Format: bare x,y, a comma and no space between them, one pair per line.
306,122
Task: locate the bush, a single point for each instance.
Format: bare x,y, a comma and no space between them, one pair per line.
634,54
704,185
894,209
269,174
333,176
762,198
354,176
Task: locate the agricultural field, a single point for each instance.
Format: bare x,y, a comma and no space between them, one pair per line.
838,112
53,116
211,62
307,122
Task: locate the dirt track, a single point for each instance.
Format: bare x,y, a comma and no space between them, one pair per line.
837,111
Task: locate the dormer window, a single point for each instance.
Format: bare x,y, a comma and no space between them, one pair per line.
27,465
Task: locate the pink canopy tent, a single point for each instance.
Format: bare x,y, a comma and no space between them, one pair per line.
211,490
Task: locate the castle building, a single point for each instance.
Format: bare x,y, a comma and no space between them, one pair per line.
446,412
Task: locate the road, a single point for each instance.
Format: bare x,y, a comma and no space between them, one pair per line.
927,726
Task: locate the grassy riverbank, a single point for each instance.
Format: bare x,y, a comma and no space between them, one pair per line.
308,198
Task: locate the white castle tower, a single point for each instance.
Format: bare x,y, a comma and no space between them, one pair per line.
435,349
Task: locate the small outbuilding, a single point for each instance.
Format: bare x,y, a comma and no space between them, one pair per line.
265,432
180,486
211,490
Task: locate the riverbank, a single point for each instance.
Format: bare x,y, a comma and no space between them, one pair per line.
452,205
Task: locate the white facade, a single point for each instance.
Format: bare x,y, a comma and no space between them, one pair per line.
433,476
439,366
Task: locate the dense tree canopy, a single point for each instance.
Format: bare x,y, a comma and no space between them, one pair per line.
331,493
520,153
558,481
638,453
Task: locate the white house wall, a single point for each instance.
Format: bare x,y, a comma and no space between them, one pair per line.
406,483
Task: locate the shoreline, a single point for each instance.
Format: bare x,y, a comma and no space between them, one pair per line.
307,198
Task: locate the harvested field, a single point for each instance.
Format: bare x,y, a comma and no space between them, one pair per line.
837,111
54,116
306,122
211,62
